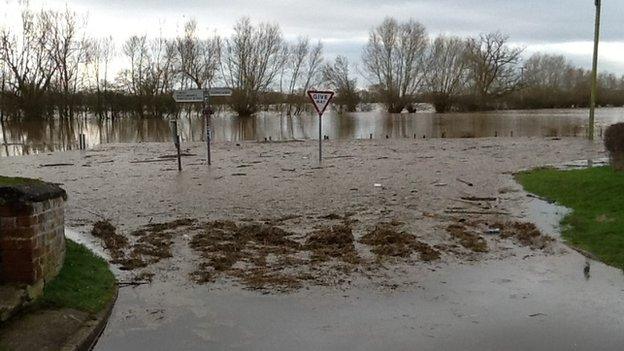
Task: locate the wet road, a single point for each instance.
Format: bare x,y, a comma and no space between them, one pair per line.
544,304
522,303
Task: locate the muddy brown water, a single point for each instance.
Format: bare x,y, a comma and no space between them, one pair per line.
31,137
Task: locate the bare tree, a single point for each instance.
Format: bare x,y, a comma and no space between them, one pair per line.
252,58
393,60
303,68
136,51
447,71
338,77
198,59
493,66
162,62
545,71
26,54
99,55
68,49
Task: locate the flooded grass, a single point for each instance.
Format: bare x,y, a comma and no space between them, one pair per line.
596,224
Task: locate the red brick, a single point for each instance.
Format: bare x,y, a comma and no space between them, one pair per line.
18,244
7,223
26,221
19,233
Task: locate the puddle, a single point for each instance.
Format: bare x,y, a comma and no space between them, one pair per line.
546,216
582,164
90,242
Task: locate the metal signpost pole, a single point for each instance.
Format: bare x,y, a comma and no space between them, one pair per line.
320,137
592,104
206,113
176,141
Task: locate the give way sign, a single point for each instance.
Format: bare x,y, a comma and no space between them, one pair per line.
320,99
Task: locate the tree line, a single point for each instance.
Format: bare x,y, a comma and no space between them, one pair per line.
50,66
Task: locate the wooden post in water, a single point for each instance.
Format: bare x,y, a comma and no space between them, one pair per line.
594,78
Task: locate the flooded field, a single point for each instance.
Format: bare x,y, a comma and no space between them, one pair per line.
31,137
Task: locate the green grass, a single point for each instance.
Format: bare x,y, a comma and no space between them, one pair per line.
7,181
84,283
596,196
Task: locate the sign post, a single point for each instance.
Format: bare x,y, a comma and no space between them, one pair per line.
203,96
320,100
176,141
207,113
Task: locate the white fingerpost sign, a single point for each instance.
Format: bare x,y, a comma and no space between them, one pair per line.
320,100
202,95
189,95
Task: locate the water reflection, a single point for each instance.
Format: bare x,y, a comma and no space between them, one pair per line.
29,137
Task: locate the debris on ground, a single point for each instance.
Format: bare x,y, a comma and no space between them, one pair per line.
467,237
153,244
334,241
265,256
246,252
526,234
112,241
387,241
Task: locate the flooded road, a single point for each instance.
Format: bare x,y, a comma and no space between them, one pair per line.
522,303
510,298
519,304
30,137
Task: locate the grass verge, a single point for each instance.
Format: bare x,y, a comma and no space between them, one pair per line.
84,283
596,197
9,181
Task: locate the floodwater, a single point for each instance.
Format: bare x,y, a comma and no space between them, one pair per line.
523,303
31,137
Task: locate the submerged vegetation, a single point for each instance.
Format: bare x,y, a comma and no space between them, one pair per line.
50,66
597,221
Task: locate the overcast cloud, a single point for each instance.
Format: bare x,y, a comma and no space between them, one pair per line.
557,26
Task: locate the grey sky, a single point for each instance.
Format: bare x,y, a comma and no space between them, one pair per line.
560,26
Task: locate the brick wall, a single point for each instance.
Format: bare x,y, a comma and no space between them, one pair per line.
32,239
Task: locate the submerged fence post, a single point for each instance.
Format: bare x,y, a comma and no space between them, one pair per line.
82,141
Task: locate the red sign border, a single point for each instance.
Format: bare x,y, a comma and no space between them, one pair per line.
331,96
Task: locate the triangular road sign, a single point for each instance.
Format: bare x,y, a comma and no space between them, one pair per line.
320,99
